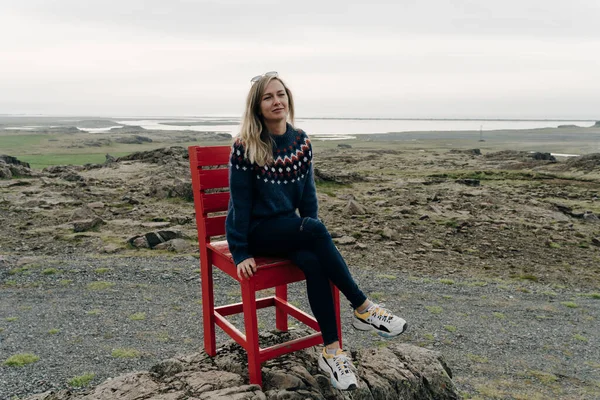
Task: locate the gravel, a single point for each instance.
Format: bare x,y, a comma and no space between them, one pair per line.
499,338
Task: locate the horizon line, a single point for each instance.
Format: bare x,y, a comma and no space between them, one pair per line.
553,119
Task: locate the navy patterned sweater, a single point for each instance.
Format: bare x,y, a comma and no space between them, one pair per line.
269,191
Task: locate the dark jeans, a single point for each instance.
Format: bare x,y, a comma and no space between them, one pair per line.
308,244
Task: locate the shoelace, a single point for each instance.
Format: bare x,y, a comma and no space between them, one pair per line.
381,313
341,362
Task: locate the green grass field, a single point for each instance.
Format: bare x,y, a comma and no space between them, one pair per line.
43,150
17,143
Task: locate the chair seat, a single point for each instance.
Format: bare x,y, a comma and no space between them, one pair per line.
222,248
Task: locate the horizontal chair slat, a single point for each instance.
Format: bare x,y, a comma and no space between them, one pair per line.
298,314
214,178
215,202
215,226
231,330
291,346
214,155
238,308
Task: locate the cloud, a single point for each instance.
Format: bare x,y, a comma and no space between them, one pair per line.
345,58
247,20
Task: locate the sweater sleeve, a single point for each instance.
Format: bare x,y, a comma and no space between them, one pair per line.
309,206
240,204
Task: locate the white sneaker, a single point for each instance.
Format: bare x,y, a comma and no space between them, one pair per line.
381,320
338,368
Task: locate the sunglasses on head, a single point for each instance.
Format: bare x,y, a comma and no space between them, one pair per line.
259,77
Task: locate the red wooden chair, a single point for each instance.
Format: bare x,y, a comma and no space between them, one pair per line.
271,272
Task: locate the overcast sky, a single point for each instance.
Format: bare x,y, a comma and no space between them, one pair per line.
402,58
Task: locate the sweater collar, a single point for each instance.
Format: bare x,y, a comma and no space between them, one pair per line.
283,140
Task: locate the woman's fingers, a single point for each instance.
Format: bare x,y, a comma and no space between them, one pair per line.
241,270
246,269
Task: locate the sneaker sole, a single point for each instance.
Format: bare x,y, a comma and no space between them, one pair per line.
361,326
325,368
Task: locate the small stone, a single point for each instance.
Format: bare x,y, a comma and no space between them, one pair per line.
111,248
139,242
355,208
388,233
469,182
130,200
155,225
590,217
345,240
86,225
96,205
82,213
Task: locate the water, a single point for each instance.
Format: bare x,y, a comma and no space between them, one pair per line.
346,128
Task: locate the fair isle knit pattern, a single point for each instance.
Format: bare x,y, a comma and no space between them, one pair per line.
290,165
274,190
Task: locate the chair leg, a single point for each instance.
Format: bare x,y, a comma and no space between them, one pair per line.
281,317
251,325
208,304
336,305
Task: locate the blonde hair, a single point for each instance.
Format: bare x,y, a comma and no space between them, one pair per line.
258,144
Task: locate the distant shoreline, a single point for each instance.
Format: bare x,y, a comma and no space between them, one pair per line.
452,119
178,117
328,127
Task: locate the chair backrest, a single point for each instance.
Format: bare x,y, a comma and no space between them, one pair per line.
209,171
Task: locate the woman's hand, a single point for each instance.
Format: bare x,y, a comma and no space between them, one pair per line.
246,268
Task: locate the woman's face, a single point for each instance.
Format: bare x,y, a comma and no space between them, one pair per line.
274,102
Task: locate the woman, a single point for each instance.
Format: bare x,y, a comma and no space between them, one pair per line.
271,176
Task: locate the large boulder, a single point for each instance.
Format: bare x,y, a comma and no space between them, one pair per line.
176,245
82,213
587,162
175,188
57,170
135,139
153,239
542,156
87,224
400,371
5,172
470,152
67,172
13,161
158,156
11,167
342,177
514,155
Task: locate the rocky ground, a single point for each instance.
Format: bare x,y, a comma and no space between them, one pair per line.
494,258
